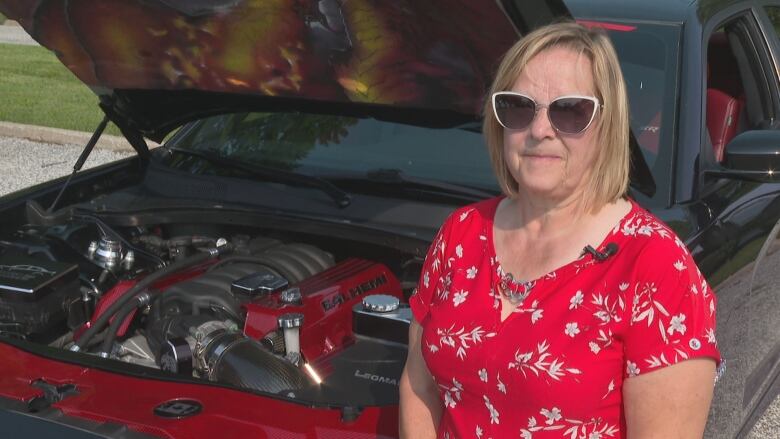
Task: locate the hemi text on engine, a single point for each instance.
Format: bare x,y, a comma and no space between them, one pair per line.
337,299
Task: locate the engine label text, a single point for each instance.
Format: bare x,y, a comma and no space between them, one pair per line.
336,300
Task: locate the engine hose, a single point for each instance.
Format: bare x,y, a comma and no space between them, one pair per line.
108,342
142,285
247,364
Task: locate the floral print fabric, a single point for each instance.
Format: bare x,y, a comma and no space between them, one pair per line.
555,367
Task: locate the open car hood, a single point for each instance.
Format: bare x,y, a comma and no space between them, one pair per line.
156,64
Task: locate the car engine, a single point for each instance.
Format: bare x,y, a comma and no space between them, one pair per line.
255,312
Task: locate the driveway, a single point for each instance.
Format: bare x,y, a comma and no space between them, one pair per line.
24,163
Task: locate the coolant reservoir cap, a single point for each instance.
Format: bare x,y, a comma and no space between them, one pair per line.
380,303
290,320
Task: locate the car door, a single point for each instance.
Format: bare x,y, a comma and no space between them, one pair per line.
738,250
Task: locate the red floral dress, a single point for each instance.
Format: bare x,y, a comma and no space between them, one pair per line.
555,367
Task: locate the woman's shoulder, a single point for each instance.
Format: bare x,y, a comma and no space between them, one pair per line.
475,214
648,238
467,226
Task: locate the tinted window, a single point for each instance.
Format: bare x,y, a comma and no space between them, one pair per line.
648,58
774,16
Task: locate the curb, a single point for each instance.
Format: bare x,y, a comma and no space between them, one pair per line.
66,137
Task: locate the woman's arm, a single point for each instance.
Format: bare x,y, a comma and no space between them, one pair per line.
671,402
420,408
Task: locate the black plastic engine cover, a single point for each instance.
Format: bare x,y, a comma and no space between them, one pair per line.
366,373
390,326
32,291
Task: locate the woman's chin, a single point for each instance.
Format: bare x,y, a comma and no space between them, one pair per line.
551,190
541,181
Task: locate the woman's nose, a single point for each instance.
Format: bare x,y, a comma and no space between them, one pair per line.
540,126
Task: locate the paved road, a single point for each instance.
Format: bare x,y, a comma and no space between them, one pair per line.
15,35
24,163
768,427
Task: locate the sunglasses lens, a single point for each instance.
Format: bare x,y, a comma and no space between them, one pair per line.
571,115
514,112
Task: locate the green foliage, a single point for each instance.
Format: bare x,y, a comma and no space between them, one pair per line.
272,139
36,89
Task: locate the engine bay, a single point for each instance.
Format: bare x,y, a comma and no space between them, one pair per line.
297,316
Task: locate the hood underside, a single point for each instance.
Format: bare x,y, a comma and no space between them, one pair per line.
197,57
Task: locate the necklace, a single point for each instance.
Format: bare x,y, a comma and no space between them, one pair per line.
514,290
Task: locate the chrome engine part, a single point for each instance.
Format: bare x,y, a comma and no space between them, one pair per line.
136,350
110,254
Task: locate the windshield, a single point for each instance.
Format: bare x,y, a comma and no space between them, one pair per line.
337,146
329,145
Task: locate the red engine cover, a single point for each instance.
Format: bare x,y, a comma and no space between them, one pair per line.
122,286
328,299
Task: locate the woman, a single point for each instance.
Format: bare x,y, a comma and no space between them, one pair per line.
561,309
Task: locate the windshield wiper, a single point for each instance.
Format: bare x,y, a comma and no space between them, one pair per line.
341,198
397,177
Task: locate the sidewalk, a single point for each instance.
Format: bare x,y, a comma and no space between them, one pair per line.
12,33
66,137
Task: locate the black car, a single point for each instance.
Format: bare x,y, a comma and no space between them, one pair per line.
323,143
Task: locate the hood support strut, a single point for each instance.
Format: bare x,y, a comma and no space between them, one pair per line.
110,107
82,159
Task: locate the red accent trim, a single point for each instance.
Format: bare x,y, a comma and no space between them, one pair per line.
110,397
327,306
722,114
121,287
607,26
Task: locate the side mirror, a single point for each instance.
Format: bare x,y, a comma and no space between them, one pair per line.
752,155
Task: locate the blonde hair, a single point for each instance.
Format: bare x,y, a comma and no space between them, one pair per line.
609,178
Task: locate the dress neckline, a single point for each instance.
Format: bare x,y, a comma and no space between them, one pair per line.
498,271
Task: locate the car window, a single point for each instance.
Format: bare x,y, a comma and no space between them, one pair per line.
773,12
648,58
738,89
334,145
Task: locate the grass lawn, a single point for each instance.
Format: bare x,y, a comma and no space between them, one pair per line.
37,90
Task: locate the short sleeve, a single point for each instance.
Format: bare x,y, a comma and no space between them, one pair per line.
421,299
672,310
